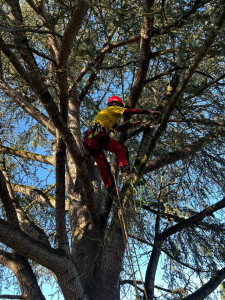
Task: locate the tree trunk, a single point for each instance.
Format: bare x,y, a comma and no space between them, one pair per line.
108,269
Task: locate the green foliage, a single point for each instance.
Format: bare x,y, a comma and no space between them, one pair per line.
184,187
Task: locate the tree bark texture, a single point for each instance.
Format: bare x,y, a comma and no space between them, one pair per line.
89,267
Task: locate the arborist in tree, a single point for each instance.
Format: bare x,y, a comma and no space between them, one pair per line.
96,138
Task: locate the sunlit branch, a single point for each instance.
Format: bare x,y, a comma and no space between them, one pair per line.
98,65
145,39
28,155
90,80
28,107
40,10
179,154
35,194
71,31
105,50
135,39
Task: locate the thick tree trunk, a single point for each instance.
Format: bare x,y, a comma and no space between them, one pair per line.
61,234
109,267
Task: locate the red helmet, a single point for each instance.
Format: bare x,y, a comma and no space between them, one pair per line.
114,99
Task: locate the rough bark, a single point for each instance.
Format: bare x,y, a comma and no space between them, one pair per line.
29,155
71,31
146,35
107,271
36,195
26,279
36,82
149,131
97,253
55,260
24,222
20,265
61,235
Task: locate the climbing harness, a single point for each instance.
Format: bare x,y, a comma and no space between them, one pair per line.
93,130
96,127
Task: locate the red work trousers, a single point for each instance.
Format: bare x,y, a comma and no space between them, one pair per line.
96,144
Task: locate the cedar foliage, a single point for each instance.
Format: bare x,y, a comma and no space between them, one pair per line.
59,62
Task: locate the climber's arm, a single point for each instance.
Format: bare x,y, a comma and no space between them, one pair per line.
131,111
126,126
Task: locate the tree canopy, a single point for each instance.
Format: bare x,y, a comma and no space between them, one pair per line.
163,237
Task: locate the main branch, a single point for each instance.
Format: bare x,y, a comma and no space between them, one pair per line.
56,261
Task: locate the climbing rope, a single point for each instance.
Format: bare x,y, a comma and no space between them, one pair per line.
126,229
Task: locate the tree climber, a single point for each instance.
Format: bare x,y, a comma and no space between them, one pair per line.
96,139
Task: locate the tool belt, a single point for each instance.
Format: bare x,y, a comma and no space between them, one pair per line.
94,130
